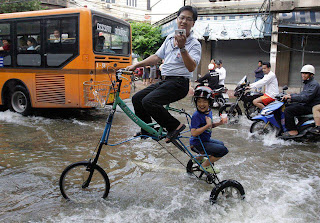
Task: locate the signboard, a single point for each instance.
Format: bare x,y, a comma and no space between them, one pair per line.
223,27
300,19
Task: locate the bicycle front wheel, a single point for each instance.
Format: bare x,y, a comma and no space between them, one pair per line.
77,185
227,189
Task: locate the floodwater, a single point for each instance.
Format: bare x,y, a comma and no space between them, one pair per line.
281,179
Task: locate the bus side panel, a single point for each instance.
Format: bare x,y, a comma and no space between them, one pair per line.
55,90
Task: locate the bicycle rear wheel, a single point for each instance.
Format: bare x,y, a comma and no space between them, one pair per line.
74,182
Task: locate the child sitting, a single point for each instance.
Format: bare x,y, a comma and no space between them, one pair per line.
201,125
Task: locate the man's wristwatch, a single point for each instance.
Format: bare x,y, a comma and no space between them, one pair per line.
182,50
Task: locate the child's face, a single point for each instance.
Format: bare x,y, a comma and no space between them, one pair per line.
203,105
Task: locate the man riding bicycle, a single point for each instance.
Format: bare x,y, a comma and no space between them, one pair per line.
181,54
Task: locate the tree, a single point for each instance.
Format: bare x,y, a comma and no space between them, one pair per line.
146,39
7,6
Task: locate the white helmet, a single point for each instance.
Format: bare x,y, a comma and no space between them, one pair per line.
211,66
308,69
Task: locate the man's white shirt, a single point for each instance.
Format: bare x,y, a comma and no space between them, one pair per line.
222,75
271,82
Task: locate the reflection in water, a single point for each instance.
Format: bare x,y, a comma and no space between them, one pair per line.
281,179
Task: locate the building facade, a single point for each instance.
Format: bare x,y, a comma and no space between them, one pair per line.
54,4
241,33
129,10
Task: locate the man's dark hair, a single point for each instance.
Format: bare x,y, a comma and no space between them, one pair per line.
190,9
267,64
260,61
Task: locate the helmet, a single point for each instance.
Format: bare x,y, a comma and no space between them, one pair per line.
211,66
203,92
308,69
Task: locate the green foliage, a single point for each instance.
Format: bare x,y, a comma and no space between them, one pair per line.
8,6
146,39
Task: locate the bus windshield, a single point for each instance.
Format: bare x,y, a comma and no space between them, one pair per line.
110,37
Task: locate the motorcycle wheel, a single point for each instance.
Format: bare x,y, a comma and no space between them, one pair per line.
260,129
221,101
233,111
252,111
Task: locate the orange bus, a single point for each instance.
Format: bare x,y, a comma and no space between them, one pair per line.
62,58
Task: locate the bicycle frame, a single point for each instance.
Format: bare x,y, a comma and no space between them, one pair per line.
91,166
156,135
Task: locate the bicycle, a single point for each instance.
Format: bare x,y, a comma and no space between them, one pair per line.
85,180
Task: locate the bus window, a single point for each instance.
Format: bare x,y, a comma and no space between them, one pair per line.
28,47
62,40
110,37
5,45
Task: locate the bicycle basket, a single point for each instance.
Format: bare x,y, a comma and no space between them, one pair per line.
98,93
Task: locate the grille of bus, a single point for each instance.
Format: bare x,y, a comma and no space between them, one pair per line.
50,88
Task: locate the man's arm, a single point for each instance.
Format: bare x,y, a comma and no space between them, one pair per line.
151,60
260,83
187,59
205,77
306,95
259,69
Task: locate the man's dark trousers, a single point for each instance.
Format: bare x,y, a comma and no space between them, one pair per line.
293,110
150,101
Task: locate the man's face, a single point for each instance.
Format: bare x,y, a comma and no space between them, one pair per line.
259,64
56,33
265,69
185,21
305,76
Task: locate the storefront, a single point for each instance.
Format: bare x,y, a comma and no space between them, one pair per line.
299,32
235,39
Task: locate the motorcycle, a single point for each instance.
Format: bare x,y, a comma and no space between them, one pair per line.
272,119
246,97
220,96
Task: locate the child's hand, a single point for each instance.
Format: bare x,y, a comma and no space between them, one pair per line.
209,121
224,118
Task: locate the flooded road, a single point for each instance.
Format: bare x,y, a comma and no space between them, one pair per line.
281,179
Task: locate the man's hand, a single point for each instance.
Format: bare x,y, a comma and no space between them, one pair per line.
131,68
286,97
181,40
248,88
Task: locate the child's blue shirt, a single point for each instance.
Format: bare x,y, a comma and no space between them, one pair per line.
198,120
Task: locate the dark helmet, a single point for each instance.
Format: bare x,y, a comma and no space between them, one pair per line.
203,92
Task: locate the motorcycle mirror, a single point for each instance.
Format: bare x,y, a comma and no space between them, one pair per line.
285,88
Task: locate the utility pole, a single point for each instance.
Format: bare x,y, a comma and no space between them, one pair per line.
274,41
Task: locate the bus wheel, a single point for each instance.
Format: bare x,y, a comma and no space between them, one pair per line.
20,100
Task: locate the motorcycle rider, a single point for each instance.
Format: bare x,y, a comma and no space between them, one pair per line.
304,101
222,73
271,82
212,77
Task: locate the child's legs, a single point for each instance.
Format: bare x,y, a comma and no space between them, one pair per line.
316,114
215,149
